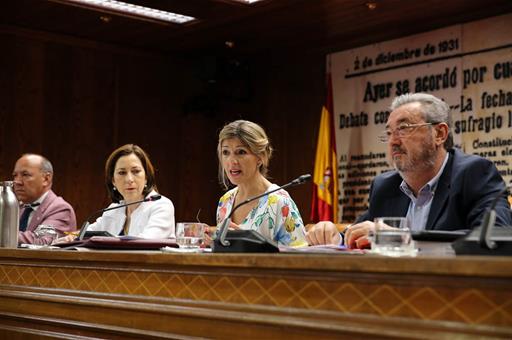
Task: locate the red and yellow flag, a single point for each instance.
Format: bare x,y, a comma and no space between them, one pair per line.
324,205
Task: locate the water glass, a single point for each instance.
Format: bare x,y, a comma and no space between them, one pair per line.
190,234
45,234
392,237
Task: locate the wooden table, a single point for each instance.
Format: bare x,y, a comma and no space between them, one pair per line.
160,295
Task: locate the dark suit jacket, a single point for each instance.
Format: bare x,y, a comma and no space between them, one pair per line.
465,190
53,211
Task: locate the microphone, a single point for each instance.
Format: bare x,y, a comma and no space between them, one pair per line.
85,225
248,241
488,222
486,240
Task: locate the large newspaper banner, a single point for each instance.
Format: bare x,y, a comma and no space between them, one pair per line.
469,66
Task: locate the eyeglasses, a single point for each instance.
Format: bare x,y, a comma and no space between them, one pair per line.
402,130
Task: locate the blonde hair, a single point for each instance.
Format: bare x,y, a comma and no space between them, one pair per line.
253,137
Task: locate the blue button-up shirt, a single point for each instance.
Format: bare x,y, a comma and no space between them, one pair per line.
419,207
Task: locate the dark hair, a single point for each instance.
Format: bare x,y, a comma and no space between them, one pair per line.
110,165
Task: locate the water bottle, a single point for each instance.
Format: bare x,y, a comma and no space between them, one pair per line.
9,216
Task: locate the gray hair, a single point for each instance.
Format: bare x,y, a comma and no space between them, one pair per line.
46,165
433,110
253,137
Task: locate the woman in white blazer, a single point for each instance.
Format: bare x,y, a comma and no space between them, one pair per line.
130,177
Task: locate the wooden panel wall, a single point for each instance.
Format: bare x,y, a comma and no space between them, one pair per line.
289,94
76,101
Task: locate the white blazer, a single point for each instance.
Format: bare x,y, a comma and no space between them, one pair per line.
153,219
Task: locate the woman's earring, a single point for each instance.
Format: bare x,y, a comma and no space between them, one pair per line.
114,188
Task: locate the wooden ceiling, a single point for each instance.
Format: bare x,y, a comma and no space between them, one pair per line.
271,26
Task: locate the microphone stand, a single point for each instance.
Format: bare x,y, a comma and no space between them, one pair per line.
488,223
487,240
85,225
248,241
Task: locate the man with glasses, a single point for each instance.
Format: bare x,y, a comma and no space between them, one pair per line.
436,186
33,178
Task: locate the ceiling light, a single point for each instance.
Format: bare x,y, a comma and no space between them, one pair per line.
247,1
371,5
106,18
131,10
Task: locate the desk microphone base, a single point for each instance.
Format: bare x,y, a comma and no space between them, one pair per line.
470,245
245,241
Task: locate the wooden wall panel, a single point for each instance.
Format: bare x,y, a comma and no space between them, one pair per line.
75,102
79,112
291,95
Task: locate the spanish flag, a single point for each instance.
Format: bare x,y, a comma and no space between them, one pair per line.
324,205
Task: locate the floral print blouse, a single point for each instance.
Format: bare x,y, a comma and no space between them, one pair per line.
276,216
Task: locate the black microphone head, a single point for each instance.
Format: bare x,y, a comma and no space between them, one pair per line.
301,179
304,178
153,198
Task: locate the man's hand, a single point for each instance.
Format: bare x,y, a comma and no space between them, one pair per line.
324,232
65,239
356,236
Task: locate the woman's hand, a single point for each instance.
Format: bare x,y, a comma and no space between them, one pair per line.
210,232
324,232
233,226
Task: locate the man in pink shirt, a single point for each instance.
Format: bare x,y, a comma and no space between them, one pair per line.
33,178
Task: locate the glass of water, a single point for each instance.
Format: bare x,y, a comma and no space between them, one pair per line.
392,237
190,234
45,234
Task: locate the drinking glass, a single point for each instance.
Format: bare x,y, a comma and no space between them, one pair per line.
190,234
45,234
392,237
